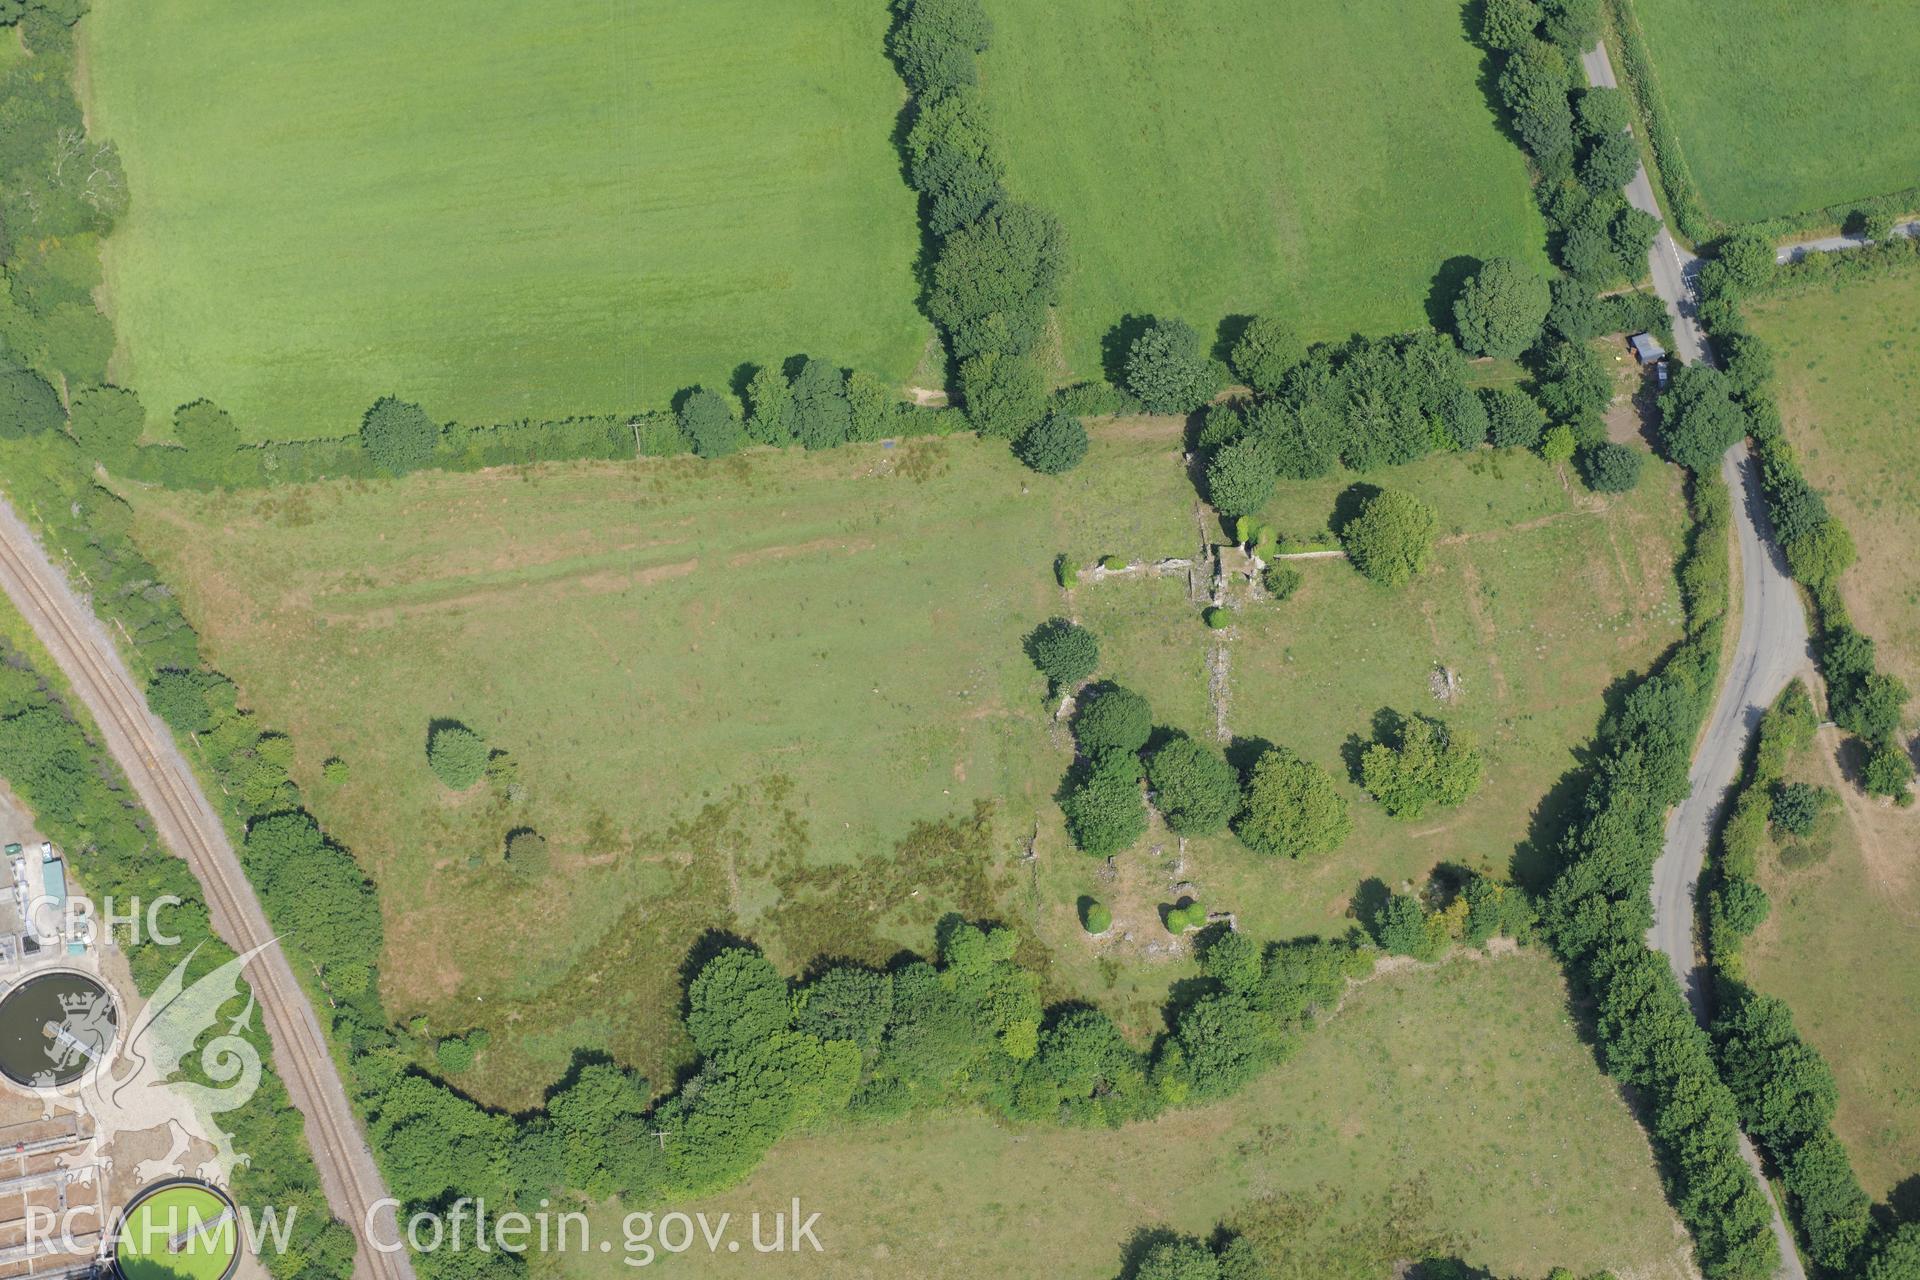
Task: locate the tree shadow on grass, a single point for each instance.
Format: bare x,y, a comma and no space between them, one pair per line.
1231,329
1445,289
1117,342
1351,502
1368,901
1536,859
1243,753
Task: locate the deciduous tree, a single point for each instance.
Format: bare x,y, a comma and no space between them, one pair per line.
1501,309
1391,538
1291,809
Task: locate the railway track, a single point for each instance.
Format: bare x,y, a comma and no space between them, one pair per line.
190,826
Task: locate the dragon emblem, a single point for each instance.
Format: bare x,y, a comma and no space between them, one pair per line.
134,1090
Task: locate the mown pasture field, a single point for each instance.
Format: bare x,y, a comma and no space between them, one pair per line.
1317,161
1839,945
1451,1109
1783,108
527,211
768,694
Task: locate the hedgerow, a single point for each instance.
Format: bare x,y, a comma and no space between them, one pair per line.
1599,908
1785,1091
998,263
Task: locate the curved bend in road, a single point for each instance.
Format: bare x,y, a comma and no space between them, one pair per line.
189,826
1770,650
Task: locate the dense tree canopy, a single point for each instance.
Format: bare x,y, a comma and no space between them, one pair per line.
1574,25
737,1000
994,279
1602,111
1509,24
1267,350
1421,764
28,405
1610,162
1065,652
1608,467
456,754
1514,418
1574,385
179,698
1181,1258
1699,420
1056,443
822,417
769,407
1502,308
935,42
1898,1257
1195,790
1104,809
1391,538
1005,392
1169,370
952,159
708,421
1241,477
204,425
108,421
1112,718
1291,808
398,436
1534,84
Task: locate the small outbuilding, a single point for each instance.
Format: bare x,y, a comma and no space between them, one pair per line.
1647,348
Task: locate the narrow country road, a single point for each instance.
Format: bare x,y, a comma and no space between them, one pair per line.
1770,650
1674,269
1795,250
190,827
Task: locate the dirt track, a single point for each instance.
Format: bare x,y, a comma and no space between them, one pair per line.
190,827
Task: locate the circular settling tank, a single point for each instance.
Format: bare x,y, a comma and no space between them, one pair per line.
54,1028
178,1230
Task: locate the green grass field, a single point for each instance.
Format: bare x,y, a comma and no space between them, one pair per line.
1783,107
767,694
187,1213
1318,161
1453,1109
1848,361
1856,912
515,211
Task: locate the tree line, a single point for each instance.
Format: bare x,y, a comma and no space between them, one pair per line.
1599,907
1751,1070
60,191
1785,1091
1863,700
1784,1088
